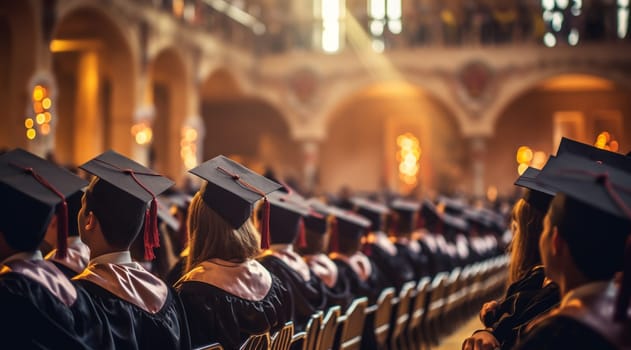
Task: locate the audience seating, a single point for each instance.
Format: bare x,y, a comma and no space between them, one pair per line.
329,328
351,325
307,340
417,312
400,315
282,339
378,319
257,342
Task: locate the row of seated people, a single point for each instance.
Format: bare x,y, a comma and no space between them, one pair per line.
569,269
241,275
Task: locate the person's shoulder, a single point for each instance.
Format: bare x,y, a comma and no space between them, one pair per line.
562,332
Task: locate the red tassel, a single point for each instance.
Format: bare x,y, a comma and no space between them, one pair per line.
367,249
420,221
62,230
153,217
333,241
302,235
624,294
147,238
265,223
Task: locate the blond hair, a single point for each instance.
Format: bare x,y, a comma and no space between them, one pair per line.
524,248
210,236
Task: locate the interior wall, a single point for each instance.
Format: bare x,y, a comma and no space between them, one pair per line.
528,121
252,129
360,147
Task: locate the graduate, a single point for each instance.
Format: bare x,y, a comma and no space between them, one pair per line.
379,248
430,224
308,291
227,294
529,293
406,215
318,225
585,242
366,280
139,310
40,306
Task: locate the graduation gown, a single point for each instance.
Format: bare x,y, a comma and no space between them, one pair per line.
41,309
525,299
413,253
583,320
392,262
338,289
139,310
365,278
307,291
226,304
77,257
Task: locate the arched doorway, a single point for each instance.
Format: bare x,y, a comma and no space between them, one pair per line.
362,148
168,96
95,71
578,106
247,128
18,40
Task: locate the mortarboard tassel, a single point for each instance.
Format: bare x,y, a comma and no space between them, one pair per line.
62,230
265,222
333,241
151,236
302,235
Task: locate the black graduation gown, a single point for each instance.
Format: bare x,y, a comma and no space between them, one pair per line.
215,315
563,332
176,272
308,297
396,268
370,288
32,316
419,261
340,292
525,299
127,325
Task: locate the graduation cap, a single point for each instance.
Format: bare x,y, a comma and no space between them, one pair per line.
538,195
319,213
31,189
455,223
286,218
616,160
374,211
406,212
597,189
453,206
137,184
233,189
347,223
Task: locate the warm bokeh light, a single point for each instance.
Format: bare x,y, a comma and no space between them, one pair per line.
38,93
538,160
28,123
606,141
188,147
524,154
40,118
142,133
45,129
408,157
30,134
46,103
522,168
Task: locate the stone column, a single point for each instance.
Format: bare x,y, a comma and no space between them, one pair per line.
478,155
88,137
310,154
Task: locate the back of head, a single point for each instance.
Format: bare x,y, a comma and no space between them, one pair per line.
23,222
211,236
595,238
120,216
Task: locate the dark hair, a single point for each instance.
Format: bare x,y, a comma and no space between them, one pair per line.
120,217
316,243
596,239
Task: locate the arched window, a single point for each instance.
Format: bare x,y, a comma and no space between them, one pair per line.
384,15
